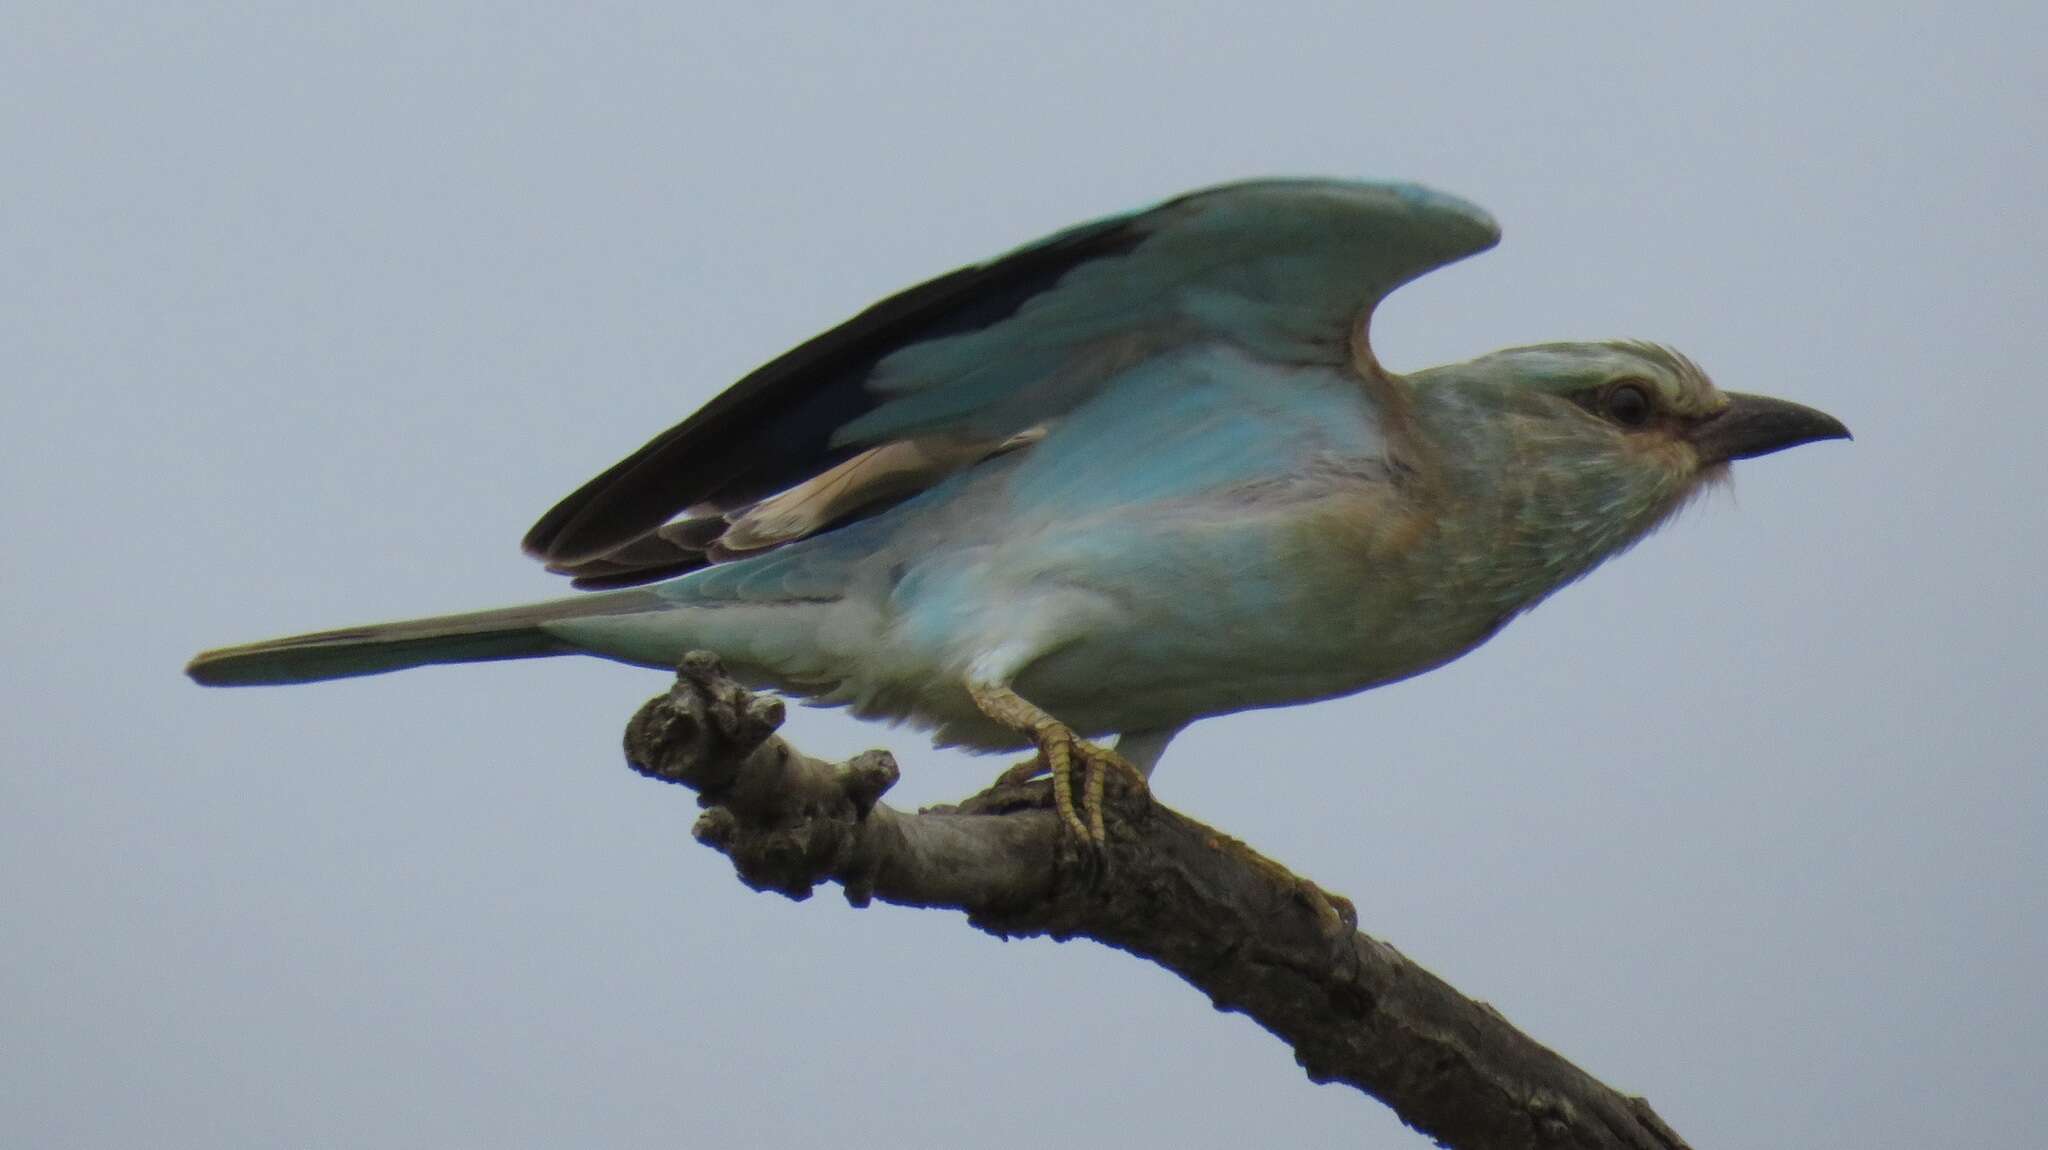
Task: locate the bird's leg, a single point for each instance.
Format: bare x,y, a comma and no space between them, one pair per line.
1055,742
1058,750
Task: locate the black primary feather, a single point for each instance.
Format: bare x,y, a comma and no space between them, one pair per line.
773,429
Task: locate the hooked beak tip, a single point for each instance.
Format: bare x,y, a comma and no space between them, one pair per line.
1754,425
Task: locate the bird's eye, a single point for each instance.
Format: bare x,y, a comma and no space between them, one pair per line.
1627,404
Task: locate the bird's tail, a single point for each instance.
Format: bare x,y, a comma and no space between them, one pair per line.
481,636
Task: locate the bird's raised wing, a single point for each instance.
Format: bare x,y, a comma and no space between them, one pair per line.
982,359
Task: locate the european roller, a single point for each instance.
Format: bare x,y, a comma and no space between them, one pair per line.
1140,472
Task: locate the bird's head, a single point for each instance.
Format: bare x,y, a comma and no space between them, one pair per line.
1578,450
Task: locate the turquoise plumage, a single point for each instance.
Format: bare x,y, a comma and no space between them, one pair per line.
1141,472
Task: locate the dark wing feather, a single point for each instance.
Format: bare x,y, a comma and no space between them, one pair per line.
669,550
774,428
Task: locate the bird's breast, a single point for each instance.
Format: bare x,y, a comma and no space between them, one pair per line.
1257,607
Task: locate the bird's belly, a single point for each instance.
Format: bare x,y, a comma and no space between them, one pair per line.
1157,625
1168,676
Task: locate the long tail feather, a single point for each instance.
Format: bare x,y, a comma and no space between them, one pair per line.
507,633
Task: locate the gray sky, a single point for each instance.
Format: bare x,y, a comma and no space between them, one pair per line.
304,316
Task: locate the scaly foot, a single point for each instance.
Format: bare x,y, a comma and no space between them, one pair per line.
1059,749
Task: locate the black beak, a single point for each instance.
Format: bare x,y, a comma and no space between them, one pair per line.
1753,425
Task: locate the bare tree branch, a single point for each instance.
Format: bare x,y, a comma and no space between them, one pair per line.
1239,927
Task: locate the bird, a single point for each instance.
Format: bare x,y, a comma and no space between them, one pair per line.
1141,472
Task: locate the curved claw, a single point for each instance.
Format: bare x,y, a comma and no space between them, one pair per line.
1059,750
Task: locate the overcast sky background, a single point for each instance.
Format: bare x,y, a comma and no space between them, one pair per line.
305,314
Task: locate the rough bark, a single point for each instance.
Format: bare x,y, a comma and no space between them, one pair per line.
1239,927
